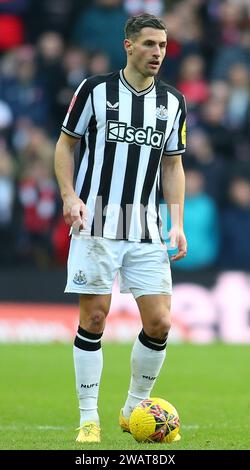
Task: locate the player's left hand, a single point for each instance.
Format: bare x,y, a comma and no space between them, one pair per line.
178,239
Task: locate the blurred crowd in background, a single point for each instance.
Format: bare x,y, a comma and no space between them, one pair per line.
47,48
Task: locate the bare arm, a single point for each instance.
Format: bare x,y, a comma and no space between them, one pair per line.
173,181
74,210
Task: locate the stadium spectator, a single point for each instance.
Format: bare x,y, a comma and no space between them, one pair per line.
98,64
7,199
213,120
185,37
135,7
60,241
93,27
201,224
24,91
75,64
12,23
37,194
6,121
35,147
50,70
192,82
56,15
235,218
239,99
169,71
73,68
227,56
231,16
210,165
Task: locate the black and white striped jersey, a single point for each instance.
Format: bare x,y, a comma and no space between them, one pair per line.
124,134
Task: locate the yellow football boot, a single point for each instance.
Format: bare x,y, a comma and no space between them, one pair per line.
89,432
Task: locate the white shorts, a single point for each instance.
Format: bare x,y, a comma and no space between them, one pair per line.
93,263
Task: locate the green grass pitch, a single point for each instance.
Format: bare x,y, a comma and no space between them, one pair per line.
209,386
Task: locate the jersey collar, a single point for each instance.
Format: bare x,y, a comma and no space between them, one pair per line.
133,90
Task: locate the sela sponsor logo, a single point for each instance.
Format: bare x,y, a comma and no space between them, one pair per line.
80,278
89,385
113,107
120,132
162,113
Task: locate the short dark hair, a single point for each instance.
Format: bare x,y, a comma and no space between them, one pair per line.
135,24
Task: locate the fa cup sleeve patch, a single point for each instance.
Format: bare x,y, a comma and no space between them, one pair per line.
183,133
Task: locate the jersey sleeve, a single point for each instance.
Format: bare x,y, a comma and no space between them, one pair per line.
176,142
79,112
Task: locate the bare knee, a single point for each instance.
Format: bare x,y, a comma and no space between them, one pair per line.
93,322
155,315
158,327
97,321
93,314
